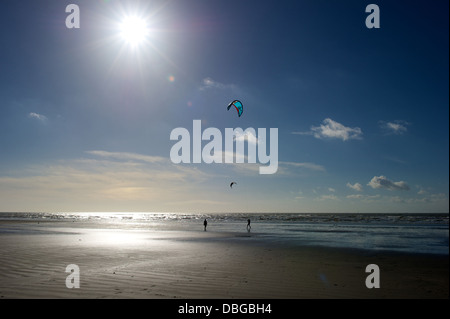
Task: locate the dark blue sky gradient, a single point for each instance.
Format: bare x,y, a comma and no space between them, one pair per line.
294,64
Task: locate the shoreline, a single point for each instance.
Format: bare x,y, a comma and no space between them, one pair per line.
60,226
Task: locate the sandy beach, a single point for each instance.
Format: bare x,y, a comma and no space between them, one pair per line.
167,264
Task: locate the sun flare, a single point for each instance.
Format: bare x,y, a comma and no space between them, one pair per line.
134,30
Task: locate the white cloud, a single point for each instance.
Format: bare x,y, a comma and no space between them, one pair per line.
382,182
396,127
37,116
422,192
332,129
357,187
208,82
247,135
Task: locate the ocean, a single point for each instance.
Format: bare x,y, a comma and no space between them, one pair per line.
410,233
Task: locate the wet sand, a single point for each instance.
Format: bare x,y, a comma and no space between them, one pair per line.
145,263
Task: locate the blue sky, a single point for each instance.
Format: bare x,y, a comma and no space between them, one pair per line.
362,114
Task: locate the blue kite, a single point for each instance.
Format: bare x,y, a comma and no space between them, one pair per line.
238,105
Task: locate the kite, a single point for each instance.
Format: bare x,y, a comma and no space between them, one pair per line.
238,105
231,185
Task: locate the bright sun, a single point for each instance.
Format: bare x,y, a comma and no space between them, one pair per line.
134,30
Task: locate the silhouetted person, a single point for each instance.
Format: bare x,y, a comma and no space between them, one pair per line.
248,225
205,223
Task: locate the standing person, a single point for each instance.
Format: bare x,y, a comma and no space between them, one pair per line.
248,225
205,223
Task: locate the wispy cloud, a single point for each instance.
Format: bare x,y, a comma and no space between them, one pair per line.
327,197
105,181
306,165
397,127
366,198
330,129
430,199
209,83
284,168
395,160
37,116
299,195
124,156
382,182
